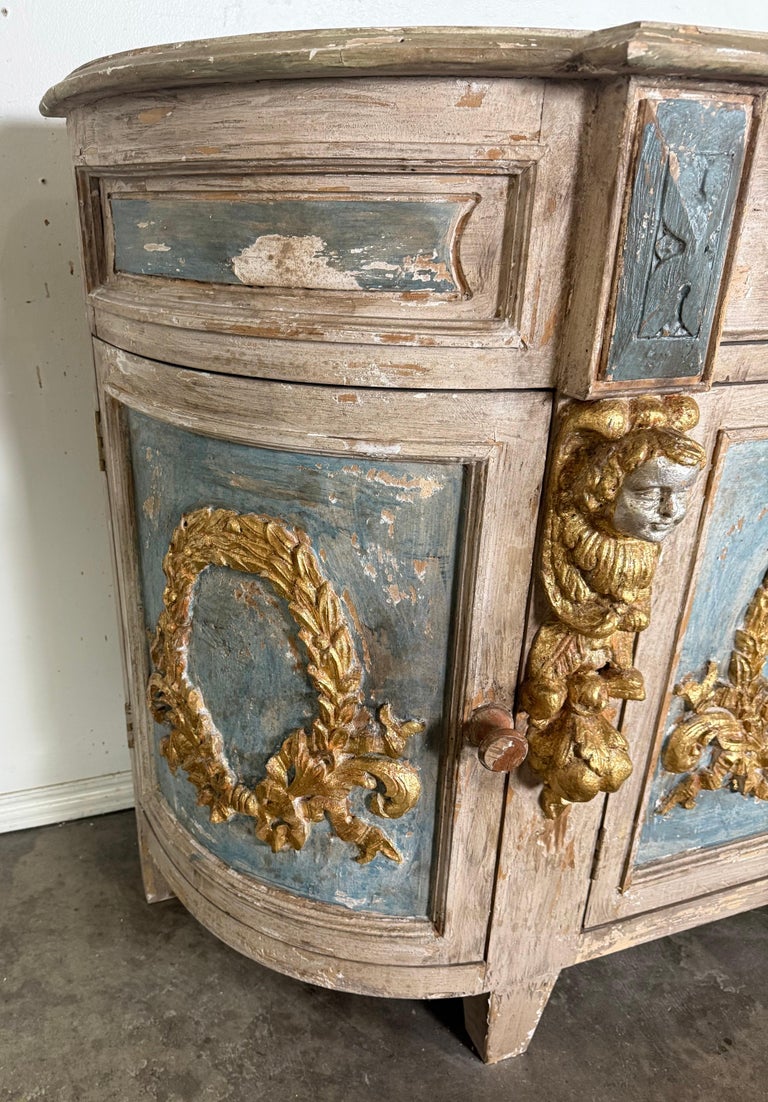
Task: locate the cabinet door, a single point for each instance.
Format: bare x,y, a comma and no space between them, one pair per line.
693,818
321,584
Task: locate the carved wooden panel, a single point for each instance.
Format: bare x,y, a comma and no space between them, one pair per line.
686,178
385,535
711,783
347,246
695,819
406,501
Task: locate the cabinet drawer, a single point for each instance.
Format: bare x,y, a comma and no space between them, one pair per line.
421,247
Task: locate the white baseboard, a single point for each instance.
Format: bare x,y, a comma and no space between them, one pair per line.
57,803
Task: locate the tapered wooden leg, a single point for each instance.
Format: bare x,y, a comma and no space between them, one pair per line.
502,1023
155,886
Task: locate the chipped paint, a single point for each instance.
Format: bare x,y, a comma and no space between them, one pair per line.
276,260
420,568
397,594
473,95
425,487
156,247
388,519
154,114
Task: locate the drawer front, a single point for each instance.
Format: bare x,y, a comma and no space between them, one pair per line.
321,585
418,228
424,247
393,244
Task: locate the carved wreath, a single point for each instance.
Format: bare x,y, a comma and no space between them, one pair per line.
728,716
313,773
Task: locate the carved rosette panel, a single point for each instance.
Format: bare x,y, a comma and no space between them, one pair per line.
619,477
313,773
721,740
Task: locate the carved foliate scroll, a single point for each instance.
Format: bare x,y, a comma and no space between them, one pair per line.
721,740
314,772
682,206
619,479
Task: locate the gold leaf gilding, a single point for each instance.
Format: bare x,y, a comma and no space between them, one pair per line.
619,475
728,716
313,773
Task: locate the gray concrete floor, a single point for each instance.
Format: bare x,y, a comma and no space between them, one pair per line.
103,998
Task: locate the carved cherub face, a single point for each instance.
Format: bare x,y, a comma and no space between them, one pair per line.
653,499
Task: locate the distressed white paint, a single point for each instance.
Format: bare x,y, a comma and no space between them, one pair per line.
59,659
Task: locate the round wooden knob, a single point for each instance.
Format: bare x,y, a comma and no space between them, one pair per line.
501,745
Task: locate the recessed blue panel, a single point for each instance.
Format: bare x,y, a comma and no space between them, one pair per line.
680,216
733,566
389,244
386,537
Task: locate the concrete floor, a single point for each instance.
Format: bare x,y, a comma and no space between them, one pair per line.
106,999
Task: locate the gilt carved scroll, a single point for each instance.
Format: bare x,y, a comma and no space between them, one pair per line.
721,741
619,479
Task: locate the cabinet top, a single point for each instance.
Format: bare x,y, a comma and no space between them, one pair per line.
648,49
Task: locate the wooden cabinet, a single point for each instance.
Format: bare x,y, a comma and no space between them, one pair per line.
400,364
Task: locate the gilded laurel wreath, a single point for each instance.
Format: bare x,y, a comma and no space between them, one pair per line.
313,773
730,717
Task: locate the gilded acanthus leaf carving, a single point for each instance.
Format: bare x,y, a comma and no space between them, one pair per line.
313,773
727,716
619,479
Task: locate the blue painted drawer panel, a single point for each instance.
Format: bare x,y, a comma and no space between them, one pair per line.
386,537
680,215
391,244
733,566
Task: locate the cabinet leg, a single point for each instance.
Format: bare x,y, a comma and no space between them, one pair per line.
155,886
502,1023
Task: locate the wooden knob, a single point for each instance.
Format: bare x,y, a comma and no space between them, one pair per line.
501,745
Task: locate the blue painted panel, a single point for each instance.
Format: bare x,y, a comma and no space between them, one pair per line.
735,560
330,244
386,535
680,217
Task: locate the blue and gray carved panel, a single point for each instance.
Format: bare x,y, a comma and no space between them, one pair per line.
385,535
715,787
680,216
393,244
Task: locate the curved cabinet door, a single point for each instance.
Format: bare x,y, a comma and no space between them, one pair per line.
695,822
318,586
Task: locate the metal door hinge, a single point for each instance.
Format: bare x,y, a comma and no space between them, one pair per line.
600,840
100,442
129,725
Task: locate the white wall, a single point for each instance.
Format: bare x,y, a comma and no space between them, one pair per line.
62,742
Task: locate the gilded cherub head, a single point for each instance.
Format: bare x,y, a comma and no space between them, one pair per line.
619,485
636,486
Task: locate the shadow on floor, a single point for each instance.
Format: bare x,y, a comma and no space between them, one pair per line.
107,998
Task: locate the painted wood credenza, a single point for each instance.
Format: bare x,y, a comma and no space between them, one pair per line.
414,350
